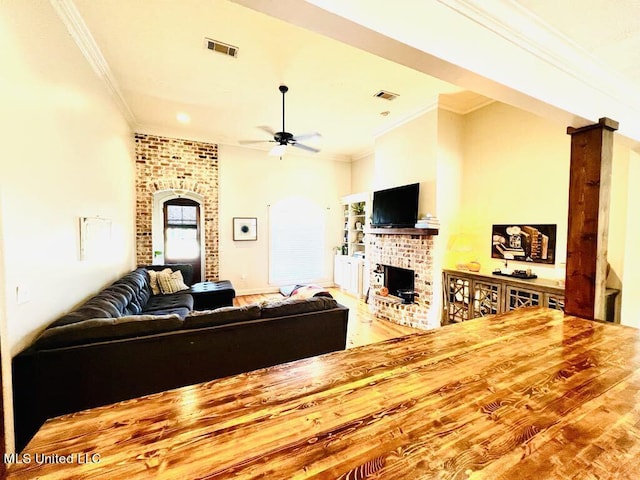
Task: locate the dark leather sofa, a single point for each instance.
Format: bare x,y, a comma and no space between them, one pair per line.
98,361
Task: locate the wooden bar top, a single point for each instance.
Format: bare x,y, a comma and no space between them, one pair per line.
531,394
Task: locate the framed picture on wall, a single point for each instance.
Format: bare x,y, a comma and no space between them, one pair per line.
524,243
245,228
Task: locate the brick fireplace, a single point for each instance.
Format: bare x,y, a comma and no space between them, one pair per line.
408,252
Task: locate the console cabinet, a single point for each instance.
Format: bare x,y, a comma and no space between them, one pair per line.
470,295
348,274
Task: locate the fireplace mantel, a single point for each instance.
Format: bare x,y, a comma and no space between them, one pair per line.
402,231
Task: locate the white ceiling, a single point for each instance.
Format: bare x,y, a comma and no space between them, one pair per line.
152,55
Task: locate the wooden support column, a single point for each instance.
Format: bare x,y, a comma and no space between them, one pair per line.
588,225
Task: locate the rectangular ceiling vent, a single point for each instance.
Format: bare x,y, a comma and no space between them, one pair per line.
386,95
221,47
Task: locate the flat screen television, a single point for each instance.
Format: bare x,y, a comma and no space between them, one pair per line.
396,207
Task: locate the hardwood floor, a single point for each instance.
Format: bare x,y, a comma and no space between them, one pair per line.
364,328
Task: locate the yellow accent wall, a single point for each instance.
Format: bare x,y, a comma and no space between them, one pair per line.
500,164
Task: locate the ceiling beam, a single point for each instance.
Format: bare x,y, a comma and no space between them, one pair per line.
473,45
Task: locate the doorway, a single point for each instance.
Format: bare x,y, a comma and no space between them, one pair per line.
182,230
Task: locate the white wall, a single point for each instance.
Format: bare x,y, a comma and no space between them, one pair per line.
362,173
450,162
249,182
408,154
620,181
631,274
67,153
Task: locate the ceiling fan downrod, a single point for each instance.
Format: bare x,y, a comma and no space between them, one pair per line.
284,89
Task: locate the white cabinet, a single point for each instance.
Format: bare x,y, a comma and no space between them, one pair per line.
348,274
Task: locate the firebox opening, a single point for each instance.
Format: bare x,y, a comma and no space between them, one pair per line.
397,279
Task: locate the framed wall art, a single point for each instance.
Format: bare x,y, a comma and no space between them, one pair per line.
245,228
525,243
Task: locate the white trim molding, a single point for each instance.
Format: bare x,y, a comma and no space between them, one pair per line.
407,118
70,16
519,26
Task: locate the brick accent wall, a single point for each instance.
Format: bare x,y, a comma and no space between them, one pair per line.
413,252
167,163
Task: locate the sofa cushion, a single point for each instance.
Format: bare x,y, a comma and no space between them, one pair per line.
118,299
123,294
221,316
96,329
134,305
138,282
295,306
79,315
163,302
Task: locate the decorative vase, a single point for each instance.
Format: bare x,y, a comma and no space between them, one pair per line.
473,266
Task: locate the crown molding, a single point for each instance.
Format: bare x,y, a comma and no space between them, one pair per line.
465,111
407,118
369,151
70,16
519,26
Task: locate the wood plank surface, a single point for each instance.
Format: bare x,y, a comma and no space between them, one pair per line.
528,394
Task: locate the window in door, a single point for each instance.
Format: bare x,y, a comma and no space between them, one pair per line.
182,233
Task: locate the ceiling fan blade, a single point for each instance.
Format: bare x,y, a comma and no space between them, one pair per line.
278,150
250,142
306,147
307,136
267,129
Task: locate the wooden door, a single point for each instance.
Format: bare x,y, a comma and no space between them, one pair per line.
182,234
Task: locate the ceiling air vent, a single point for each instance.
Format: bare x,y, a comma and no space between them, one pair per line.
386,95
220,47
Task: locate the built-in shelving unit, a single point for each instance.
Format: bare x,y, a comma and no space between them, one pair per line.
349,263
355,213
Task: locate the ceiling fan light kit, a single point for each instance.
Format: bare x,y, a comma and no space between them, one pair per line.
283,139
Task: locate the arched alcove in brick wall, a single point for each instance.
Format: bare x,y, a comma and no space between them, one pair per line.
174,164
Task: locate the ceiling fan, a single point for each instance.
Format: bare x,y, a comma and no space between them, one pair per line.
283,138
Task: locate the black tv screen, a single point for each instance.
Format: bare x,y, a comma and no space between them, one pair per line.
396,207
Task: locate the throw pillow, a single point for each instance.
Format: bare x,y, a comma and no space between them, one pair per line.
308,291
171,282
153,280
